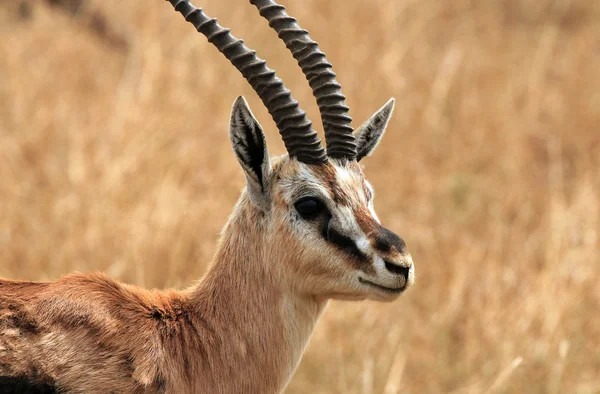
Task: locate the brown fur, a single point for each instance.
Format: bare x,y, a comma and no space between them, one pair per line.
243,328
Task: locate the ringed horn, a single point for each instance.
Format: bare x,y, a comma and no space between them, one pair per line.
320,76
300,139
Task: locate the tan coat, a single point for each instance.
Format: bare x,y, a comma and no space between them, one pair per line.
244,326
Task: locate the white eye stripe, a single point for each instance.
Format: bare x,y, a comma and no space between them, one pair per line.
347,178
343,175
363,244
346,218
373,213
304,184
369,192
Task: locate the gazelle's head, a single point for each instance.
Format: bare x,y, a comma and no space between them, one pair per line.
315,206
322,228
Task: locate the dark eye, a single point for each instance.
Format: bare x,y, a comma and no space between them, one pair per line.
309,207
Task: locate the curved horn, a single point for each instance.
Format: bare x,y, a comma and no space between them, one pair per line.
300,139
320,76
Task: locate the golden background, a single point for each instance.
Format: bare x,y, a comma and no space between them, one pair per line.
114,157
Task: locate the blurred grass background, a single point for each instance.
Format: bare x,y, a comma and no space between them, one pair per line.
114,157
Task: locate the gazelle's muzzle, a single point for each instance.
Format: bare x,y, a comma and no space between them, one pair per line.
392,250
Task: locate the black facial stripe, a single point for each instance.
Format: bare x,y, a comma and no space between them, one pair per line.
346,244
386,239
342,242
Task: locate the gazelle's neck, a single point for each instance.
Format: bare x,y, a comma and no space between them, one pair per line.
262,326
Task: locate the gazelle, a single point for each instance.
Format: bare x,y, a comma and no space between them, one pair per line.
303,231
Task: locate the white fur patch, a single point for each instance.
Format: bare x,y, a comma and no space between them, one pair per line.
363,244
372,211
304,176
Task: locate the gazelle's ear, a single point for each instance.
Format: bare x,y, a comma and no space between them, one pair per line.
250,147
370,133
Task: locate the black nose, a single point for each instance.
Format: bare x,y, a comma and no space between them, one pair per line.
386,239
397,270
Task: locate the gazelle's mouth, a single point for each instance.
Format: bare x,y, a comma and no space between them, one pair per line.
392,290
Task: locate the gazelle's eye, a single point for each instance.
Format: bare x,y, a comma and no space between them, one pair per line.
309,207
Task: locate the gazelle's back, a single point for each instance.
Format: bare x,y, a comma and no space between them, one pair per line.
45,332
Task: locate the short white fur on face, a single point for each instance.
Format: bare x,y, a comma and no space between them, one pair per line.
335,253
335,265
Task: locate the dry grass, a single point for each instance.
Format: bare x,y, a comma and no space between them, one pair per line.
115,158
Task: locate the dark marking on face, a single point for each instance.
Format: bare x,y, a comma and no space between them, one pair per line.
385,240
26,385
381,238
347,245
382,245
